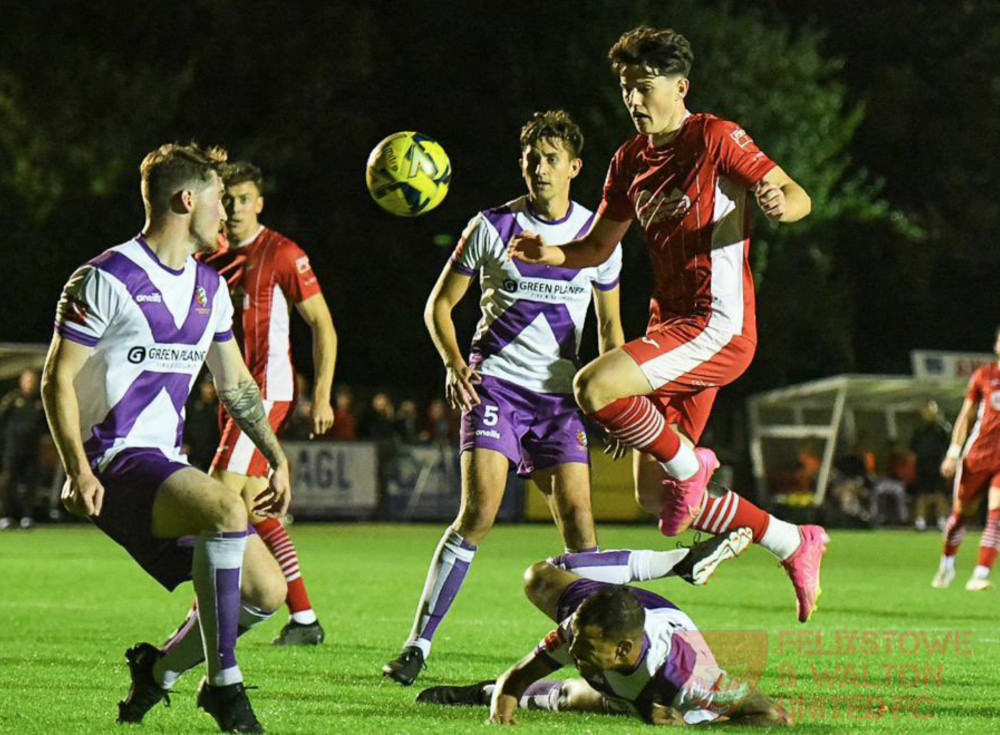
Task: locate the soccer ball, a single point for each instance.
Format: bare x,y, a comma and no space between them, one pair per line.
408,174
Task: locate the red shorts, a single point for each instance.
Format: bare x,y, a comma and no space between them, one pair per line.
236,453
686,363
970,487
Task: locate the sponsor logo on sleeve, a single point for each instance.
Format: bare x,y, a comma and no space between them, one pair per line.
741,138
302,264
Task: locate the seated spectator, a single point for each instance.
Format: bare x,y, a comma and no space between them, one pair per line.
900,472
345,423
406,425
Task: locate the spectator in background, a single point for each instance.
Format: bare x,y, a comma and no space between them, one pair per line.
900,473
378,422
201,426
300,424
345,424
406,425
440,426
22,423
929,443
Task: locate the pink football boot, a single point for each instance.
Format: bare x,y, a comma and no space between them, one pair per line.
684,500
803,568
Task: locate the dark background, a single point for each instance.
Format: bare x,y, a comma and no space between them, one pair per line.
888,113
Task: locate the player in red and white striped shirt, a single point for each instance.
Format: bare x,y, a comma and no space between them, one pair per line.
268,274
685,178
977,429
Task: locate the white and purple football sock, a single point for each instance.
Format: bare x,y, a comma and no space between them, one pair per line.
185,650
448,570
622,566
216,572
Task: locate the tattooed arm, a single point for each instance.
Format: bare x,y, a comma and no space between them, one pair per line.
240,395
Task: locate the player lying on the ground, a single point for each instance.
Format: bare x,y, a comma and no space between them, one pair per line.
685,178
637,652
973,471
133,329
267,273
516,391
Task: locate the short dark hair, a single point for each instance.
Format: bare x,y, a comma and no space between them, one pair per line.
553,125
171,166
615,610
663,49
241,172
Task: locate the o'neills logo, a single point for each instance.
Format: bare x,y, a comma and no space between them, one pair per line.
150,298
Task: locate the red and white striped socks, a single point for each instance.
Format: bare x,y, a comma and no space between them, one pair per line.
637,423
729,511
954,534
989,546
277,540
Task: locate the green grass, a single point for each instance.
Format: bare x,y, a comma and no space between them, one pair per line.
72,602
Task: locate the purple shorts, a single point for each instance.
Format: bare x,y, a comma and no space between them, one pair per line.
534,431
130,483
576,592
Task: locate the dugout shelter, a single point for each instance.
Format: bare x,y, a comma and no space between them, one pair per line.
831,413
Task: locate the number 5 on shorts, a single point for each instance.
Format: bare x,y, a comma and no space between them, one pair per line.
490,417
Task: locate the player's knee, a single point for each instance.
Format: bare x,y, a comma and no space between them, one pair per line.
474,524
536,580
593,389
226,513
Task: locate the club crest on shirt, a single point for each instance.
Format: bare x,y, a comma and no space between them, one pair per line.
302,264
201,298
995,400
581,438
652,208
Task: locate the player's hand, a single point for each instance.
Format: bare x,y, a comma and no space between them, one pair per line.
460,386
322,417
531,248
503,707
771,200
499,718
949,466
273,501
614,448
83,495
664,716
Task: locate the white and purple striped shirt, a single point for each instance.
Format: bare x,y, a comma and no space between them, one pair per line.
150,328
533,315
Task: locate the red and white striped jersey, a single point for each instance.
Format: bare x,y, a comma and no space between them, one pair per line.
266,276
690,196
982,450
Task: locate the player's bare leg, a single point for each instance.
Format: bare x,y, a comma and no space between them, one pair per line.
799,548
967,498
189,503
484,479
303,628
567,489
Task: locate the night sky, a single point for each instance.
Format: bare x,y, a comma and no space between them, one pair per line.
891,110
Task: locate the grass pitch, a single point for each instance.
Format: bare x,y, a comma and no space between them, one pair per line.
884,653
